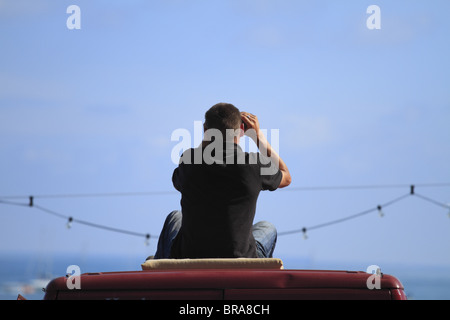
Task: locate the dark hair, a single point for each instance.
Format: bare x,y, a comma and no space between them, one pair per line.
223,116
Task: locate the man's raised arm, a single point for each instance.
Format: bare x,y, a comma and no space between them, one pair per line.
254,132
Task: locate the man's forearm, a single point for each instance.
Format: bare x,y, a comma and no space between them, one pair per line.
266,149
254,132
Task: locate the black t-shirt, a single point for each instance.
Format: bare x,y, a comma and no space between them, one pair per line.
218,202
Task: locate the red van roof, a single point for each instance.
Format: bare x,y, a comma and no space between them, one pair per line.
225,284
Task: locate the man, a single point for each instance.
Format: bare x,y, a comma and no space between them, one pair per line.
219,185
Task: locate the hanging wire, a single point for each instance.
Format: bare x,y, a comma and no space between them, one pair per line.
161,193
433,201
71,220
148,236
13,203
330,223
90,224
95,195
363,187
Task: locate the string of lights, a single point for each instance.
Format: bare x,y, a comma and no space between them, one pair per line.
70,220
357,215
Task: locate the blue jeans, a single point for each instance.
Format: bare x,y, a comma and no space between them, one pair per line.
264,232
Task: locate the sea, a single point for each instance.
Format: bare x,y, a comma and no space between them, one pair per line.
28,274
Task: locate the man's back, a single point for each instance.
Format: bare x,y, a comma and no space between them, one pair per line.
218,205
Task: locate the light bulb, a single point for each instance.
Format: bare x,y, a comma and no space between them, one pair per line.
380,212
305,236
147,239
69,223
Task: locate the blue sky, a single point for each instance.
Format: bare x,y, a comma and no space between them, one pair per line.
92,111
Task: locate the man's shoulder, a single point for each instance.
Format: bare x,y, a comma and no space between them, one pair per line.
191,156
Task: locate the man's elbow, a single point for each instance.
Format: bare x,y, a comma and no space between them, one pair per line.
286,180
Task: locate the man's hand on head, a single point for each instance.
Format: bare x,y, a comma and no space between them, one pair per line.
251,123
